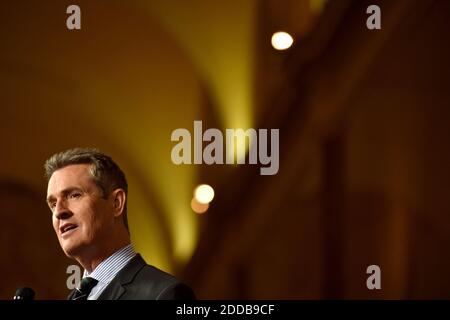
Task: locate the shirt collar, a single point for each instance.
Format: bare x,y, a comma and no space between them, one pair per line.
109,267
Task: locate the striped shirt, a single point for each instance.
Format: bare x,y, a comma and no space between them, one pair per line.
108,269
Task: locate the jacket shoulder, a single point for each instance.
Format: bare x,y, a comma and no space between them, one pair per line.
152,283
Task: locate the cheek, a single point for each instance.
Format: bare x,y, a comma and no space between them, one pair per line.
103,215
101,222
94,218
91,219
55,223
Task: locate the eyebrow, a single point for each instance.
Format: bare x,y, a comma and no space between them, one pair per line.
63,192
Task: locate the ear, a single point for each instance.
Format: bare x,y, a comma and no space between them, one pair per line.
119,197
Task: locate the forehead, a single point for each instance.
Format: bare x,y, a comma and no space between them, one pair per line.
76,175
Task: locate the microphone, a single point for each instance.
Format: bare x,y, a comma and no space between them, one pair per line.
24,294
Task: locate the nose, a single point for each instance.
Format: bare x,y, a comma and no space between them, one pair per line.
61,211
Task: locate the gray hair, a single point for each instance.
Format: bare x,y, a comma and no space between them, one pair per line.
106,173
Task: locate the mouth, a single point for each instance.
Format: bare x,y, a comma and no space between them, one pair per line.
67,228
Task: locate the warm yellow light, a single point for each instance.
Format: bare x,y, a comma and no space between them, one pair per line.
198,207
317,6
204,193
282,40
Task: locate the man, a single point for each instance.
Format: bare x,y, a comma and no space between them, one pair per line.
87,194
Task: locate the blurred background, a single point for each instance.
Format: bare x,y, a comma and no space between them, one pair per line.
363,116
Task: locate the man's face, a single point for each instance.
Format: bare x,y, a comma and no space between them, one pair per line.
82,218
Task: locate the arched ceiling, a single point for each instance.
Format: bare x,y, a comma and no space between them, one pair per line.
134,72
102,87
219,38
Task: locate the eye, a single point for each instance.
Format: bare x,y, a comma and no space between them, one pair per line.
75,195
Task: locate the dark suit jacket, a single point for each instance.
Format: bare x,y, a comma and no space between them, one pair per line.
140,281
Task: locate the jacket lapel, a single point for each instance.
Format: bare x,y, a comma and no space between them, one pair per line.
113,291
117,287
72,293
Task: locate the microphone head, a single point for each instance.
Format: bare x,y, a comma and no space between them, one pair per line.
24,294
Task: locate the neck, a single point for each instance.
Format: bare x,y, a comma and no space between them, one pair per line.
91,260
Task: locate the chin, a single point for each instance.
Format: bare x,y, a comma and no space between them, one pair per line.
71,249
